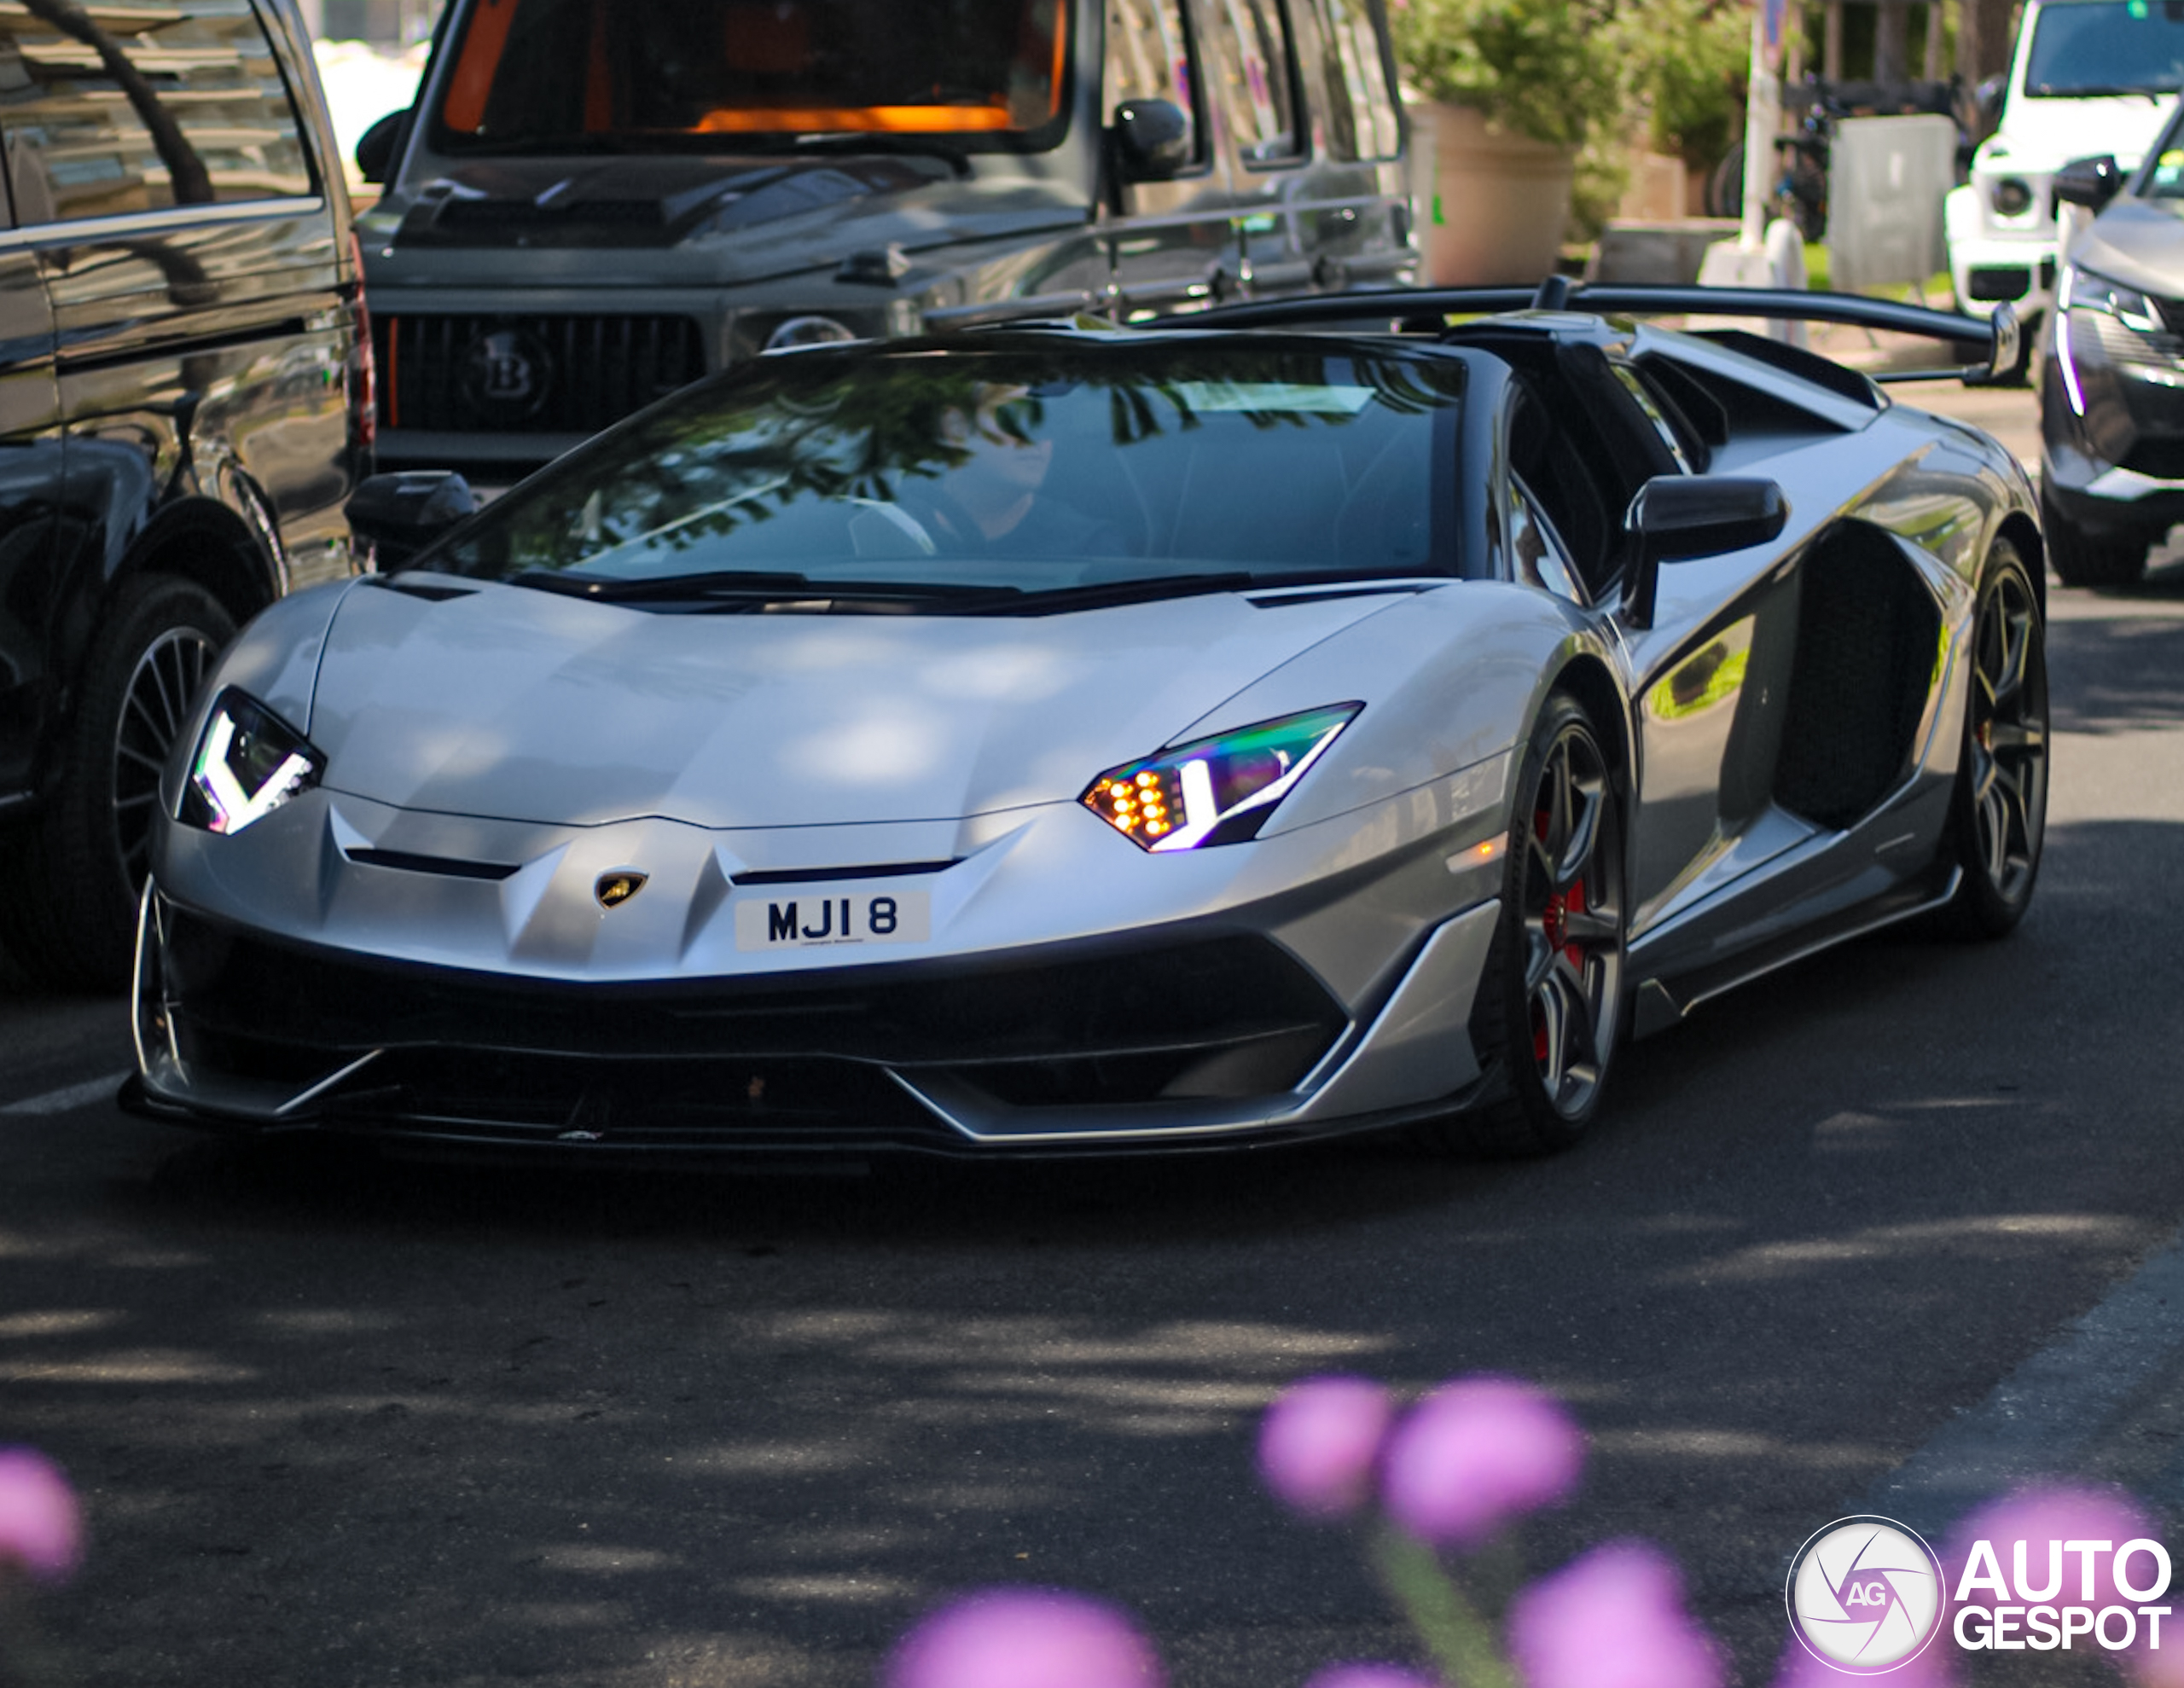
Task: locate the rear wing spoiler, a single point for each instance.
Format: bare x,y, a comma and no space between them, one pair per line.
1996,349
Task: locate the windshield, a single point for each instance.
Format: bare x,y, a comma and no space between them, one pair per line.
929,475
2107,47
621,75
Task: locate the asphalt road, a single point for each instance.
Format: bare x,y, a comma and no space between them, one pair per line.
338,1422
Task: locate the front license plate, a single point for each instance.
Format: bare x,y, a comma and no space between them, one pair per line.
810,920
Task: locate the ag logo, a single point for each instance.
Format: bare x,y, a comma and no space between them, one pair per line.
614,890
1865,1595
505,373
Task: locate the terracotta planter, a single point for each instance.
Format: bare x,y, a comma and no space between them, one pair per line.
1498,205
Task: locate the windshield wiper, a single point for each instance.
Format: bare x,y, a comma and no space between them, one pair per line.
908,146
607,591
738,586
1147,589
2048,91
1152,589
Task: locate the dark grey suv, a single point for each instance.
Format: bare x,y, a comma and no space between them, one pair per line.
184,405
2111,396
595,201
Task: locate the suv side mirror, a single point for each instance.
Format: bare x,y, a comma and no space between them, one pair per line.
1151,140
2091,182
1675,517
376,148
399,515
1989,98
2009,354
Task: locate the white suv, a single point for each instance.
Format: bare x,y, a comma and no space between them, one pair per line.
2088,77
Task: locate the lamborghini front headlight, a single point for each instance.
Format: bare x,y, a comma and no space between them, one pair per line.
1215,790
248,762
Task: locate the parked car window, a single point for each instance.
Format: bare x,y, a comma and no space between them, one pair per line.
2109,47
1361,116
139,105
1008,473
1257,77
563,76
1149,58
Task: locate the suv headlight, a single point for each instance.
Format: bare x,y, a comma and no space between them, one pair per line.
2083,290
248,762
1215,790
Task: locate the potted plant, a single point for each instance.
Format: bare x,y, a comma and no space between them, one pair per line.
1510,89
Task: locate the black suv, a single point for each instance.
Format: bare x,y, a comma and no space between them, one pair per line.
185,403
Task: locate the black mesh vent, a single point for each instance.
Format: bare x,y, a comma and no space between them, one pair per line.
1206,1018
1868,637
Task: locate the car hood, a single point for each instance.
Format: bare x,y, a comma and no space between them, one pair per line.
2138,242
522,704
2045,134
734,220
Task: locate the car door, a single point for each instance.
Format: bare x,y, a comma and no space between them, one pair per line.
1783,691
30,466
1174,244
192,264
1329,212
1709,665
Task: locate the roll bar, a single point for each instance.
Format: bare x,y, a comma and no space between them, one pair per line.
2000,347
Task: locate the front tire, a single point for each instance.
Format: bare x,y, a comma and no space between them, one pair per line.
1998,821
1550,1007
80,866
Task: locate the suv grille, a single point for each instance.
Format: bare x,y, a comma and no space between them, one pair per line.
528,374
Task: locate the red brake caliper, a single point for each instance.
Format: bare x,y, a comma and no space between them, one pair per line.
1556,919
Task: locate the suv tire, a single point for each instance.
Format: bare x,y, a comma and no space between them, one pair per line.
79,868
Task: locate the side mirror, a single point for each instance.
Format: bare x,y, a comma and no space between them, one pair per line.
2009,357
398,516
1151,140
2091,182
376,148
1989,97
1675,517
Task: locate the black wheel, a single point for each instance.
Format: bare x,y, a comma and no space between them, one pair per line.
89,850
2000,815
1549,1013
2082,559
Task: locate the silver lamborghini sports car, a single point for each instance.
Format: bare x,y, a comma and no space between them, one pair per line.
1057,740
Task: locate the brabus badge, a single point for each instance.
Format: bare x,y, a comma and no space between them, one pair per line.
614,890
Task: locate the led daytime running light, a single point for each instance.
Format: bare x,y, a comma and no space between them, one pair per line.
1217,789
248,763
2084,290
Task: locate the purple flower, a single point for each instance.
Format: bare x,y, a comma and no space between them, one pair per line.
1319,1441
1475,1453
1801,1668
2025,1533
40,1528
2016,1551
1369,1676
1008,1637
1613,1619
